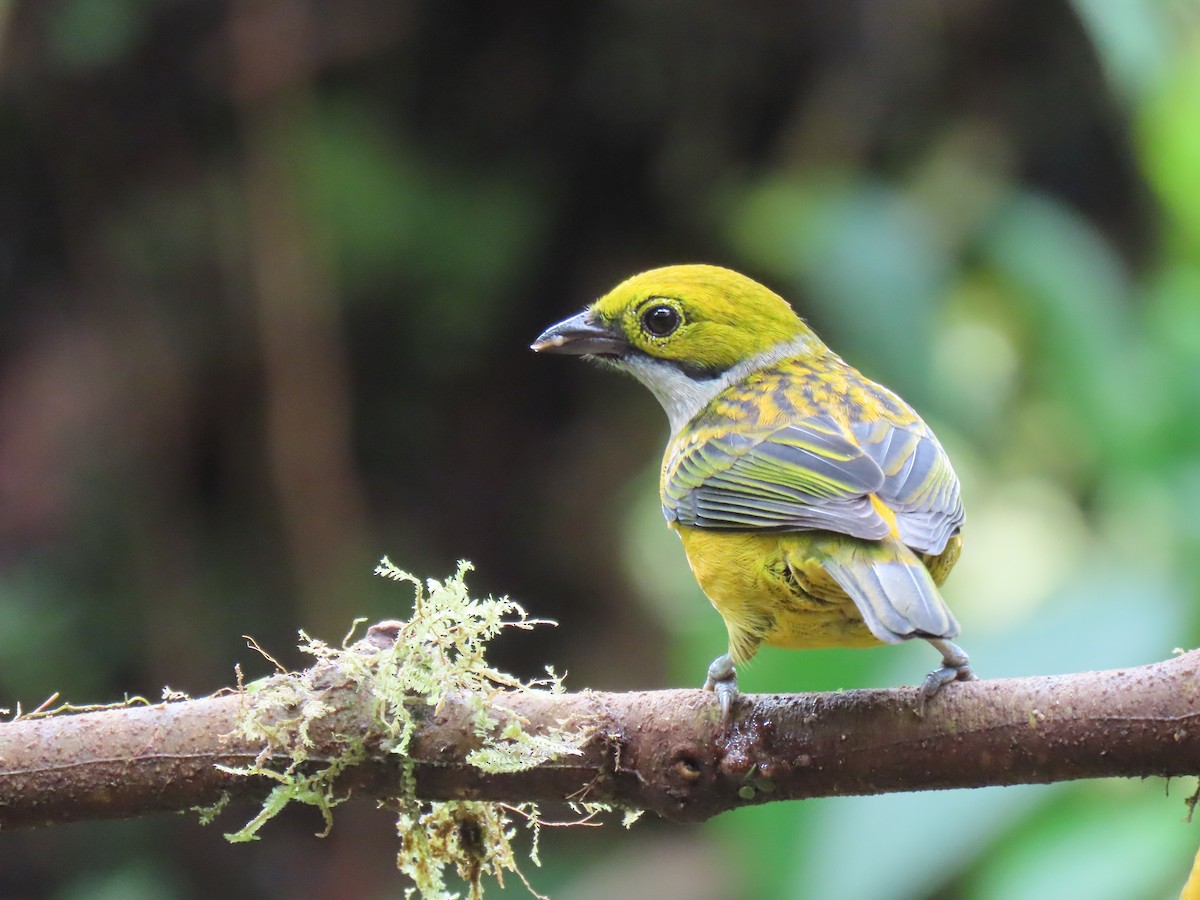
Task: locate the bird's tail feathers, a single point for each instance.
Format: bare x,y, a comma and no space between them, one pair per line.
893,591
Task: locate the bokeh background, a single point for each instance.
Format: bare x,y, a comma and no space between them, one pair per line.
269,270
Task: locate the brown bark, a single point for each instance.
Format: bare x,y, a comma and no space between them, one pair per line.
662,751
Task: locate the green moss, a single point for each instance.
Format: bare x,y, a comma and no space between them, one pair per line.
438,652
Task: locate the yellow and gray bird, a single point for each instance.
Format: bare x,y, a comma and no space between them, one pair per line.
815,506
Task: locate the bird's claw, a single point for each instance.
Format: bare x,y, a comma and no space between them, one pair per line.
956,666
722,679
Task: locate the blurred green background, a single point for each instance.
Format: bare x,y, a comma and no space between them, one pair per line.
268,272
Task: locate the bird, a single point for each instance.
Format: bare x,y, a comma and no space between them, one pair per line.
815,506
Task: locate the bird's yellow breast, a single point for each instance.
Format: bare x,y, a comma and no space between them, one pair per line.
770,588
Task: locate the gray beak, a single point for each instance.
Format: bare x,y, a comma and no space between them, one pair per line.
581,335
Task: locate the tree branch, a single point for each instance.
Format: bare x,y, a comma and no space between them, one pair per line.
661,751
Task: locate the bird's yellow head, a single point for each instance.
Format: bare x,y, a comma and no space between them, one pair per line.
681,329
703,318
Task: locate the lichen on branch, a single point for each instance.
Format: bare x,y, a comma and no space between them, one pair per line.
402,666
663,751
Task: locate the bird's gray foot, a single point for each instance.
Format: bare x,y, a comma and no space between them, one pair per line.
722,678
956,666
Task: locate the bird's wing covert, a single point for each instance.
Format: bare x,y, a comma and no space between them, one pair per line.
814,474
805,475
919,484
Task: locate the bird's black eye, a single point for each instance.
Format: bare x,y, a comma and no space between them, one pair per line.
660,320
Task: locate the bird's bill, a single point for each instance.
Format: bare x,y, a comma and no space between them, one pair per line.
580,335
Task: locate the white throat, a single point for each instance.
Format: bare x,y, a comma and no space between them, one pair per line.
683,396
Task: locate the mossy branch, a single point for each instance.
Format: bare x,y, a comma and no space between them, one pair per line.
413,716
661,751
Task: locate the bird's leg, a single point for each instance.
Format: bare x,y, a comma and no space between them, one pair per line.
722,678
955,667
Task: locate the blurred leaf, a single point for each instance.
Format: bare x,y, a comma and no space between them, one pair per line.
976,365
770,839
1173,323
395,212
1105,616
1025,539
88,34
441,243
1169,141
903,845
1102,840
133,881
36,618
1174,316
870,261
1132,40
1074,296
